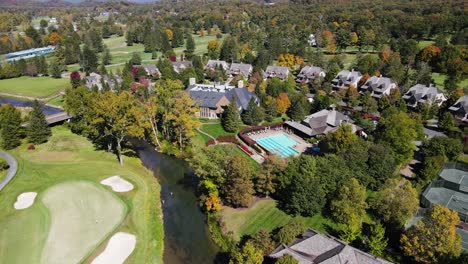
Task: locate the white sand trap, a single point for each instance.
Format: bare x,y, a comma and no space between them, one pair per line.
117,184
25,200
120,246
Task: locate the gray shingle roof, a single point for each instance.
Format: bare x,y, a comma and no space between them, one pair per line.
150,69
313,247
310,72
378,84
206,99
213,64
240,68
422,93
242,97
276,71
461,105
181,65
345,78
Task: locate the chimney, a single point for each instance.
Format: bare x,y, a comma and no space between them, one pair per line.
192,81
240,84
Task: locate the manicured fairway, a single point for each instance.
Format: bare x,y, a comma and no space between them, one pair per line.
34,86
64,214
82,214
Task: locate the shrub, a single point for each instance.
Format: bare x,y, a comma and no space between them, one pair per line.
246,150
227,139
210,142
31,147
3,164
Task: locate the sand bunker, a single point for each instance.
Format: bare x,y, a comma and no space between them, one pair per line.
117,184
25,200
120,246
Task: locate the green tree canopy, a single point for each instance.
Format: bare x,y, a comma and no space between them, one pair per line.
231,118
10,127
38,130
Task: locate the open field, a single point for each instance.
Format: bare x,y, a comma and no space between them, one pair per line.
265,214
33,86
66,159
440,78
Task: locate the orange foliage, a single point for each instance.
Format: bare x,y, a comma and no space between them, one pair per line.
283,103
54,38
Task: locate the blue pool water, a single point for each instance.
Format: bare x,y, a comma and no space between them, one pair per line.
279,144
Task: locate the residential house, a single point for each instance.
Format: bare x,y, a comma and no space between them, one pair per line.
312,247
181,65
378,86
422,94
243,69
212,65
321,123
276,71
346,78
312,40
211,98
460,108
151,70
97,80
309,73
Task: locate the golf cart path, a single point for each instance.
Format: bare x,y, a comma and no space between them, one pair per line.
11,171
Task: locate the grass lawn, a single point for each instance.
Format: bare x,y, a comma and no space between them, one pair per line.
439,79
265,214
57,101
3,173
424,43
230,150
38,87
463,158
215,130
69,158
200,139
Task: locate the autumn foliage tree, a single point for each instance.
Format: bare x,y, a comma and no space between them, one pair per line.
434,237
286,60
329,41
283,103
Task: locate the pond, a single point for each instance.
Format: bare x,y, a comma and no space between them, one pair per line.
186,236
48,110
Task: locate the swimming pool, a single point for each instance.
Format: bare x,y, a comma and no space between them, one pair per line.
279,144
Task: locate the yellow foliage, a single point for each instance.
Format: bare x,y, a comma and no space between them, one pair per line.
169,34
213,45
283,103
286,60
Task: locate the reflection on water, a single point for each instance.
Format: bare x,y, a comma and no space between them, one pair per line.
48,110
186,238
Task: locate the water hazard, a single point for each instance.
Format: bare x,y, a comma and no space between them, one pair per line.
48,110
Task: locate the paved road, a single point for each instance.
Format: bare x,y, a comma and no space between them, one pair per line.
11,171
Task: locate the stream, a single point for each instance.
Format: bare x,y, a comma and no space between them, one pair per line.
186,236
48,110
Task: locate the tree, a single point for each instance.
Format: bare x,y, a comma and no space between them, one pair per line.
396,201
286,60
75,79
290,231
238,187
262,240
181,118
136,59
282,103
447,122
10,125
54,38
352,230
114,118
90,60
38,130
381,164
377,240
190,45
229,49
286,259
350,201
55,70
398,131
249,254
213,49
230,118
253,114
339,140
264,183
445,146
106,56
296,111
77,103
434,237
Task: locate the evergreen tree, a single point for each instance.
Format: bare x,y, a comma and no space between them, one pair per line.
296,111
106,56
377,240
38,130
231,119
136,59
253,114
177,38
55,70
90,60
190,45
165,45
10,124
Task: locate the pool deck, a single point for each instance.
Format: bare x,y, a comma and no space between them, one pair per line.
301,147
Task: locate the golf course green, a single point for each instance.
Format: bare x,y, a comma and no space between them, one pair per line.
73,215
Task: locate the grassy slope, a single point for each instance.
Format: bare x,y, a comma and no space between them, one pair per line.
215,130
265,214
68,157
57,101
34,87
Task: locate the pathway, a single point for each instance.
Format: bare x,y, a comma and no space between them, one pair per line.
208,135
11,171
33,98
